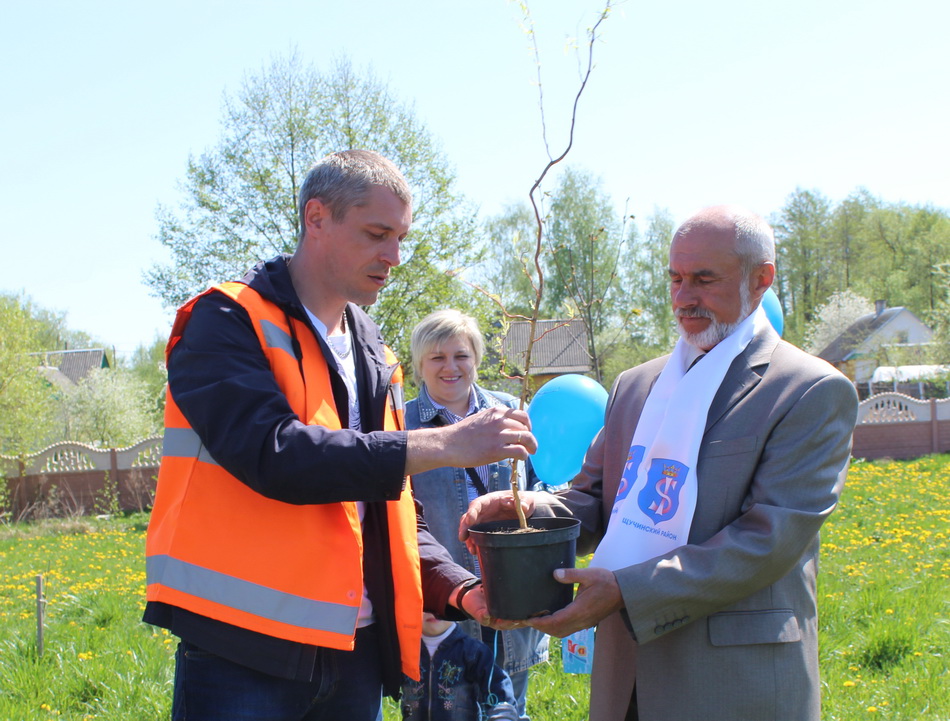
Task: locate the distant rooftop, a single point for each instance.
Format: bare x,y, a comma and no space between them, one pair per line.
561,346
842,347
74,364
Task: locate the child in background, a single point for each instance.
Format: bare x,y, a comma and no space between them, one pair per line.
460,679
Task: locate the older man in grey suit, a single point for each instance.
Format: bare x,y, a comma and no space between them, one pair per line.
722,624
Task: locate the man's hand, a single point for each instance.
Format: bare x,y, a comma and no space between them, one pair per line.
474,604
484,437
598,596
497,506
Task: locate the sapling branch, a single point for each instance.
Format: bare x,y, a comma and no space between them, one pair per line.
539,221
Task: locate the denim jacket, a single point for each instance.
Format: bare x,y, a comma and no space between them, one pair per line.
460,682
443,493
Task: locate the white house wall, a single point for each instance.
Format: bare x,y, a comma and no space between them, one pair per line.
904,327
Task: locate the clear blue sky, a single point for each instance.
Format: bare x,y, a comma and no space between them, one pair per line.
690,103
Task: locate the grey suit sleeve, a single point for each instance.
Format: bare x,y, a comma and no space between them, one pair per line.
795,485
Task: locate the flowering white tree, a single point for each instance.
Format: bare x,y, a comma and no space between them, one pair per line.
833,318
107,408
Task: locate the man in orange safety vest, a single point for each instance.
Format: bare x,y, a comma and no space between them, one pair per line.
285,549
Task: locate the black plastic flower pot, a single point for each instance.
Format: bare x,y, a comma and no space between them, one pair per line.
518,567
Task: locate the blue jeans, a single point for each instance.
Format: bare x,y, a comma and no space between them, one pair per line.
346,685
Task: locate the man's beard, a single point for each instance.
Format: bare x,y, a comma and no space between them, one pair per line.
715,332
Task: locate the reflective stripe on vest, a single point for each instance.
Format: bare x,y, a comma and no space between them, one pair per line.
184,443
277,338
251,597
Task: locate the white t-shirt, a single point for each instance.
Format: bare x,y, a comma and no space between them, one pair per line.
342,347
433,642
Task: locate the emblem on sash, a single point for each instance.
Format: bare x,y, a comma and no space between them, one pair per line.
629,477
660,497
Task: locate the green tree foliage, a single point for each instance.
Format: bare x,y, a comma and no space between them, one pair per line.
655,329
583,260
939,318
27,410
832,261
239,198
584,264
805,257
908,242
54,334
848,223
147,366
507,270
39,406
587,266
652,329
877,250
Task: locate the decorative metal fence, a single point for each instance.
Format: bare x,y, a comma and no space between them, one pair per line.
893,425
77,479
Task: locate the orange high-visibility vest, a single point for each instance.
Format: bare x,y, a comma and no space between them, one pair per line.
217,548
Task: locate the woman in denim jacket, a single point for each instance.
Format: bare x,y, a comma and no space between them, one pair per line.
447,348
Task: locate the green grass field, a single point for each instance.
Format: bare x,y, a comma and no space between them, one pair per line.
884,595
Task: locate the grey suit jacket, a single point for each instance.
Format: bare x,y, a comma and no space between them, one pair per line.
725,627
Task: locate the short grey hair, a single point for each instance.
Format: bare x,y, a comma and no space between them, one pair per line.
755,240
342,180
439,327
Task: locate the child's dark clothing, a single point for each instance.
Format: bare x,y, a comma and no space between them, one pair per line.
455,684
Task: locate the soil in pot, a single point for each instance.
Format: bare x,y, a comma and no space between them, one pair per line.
517,568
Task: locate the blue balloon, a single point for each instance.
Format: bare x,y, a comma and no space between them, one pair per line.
566,413
773,310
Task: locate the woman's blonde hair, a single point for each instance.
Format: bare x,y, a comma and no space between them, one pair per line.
437,328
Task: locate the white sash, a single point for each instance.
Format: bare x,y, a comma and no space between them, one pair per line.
657,495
